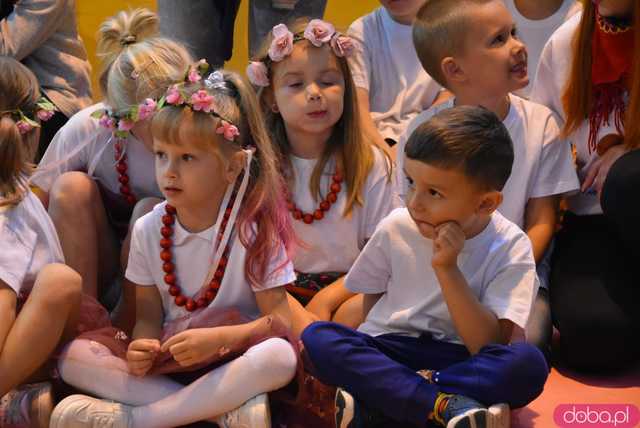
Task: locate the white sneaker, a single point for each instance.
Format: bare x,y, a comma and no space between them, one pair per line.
496,416
254,413
82,411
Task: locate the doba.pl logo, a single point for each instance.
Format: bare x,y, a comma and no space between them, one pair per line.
597,416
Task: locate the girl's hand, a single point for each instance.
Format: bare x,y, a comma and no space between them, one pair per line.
447,244
599,169
141,354
197,345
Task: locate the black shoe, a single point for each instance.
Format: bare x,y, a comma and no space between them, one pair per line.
351,414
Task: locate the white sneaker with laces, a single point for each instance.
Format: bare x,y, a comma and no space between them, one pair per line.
254,413
81,411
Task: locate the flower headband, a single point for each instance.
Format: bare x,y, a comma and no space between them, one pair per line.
122,122
202,100
318,32
44,111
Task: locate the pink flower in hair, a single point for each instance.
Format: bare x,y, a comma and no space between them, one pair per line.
23,127
125,125
45,115
146,109
282,43
107,122
343,46
229,131
174,96
258,73
319,32
202,101
194,76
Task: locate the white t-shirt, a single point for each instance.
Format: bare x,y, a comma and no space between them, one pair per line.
386,65
498,265
553,72
28,243
535,33
333,243
83,145
192,257
542,164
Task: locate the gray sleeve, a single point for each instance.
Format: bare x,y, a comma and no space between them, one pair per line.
30,24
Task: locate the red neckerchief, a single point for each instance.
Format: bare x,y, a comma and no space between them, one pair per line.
611,67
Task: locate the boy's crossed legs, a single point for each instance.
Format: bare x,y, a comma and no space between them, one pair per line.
381,371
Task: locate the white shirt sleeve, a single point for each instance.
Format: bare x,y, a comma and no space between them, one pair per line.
360,60
138,269
279,272
510,294
371,271
556,174
16,255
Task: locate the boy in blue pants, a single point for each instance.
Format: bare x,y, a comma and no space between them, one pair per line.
446,280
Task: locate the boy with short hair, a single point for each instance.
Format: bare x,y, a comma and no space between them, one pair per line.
471,47
446,279
392,86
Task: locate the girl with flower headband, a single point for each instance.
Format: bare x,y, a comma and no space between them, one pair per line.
209,267
100,165
40,297
339,184
596,91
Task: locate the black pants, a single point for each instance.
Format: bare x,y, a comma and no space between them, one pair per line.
595,277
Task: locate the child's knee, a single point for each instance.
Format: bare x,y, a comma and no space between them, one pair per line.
72,189
57,285
316,337
275,356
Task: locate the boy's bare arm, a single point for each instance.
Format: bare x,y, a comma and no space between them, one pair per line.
540,223
476,325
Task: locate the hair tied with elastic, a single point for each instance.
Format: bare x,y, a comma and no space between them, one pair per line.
26,121
128,40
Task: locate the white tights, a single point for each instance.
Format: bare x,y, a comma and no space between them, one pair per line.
161,402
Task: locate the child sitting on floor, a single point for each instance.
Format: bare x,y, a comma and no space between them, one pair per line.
446,279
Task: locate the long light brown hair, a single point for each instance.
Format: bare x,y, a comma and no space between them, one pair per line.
577,98
263,222
353,152
19,90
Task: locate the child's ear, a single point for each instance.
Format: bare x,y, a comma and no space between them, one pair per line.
490,202
451,70
234,166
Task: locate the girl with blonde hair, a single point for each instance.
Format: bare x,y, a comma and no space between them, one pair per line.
98,170
209,267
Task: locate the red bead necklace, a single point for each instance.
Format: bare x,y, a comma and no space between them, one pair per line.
210,291
324,206
123,177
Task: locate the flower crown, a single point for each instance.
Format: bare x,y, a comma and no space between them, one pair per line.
43,111
317,32
122,122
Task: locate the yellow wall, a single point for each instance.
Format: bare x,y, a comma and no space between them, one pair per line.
91,13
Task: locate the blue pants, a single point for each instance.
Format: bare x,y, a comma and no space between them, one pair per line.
381,373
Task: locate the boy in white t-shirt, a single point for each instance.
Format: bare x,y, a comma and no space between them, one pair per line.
446,279
536,21
482,66
392,86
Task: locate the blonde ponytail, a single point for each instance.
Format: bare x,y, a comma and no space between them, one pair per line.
137,63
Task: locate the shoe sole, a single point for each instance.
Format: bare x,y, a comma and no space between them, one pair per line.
344,409
497,416
59,415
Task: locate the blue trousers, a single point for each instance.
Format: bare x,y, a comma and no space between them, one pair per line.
381,373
